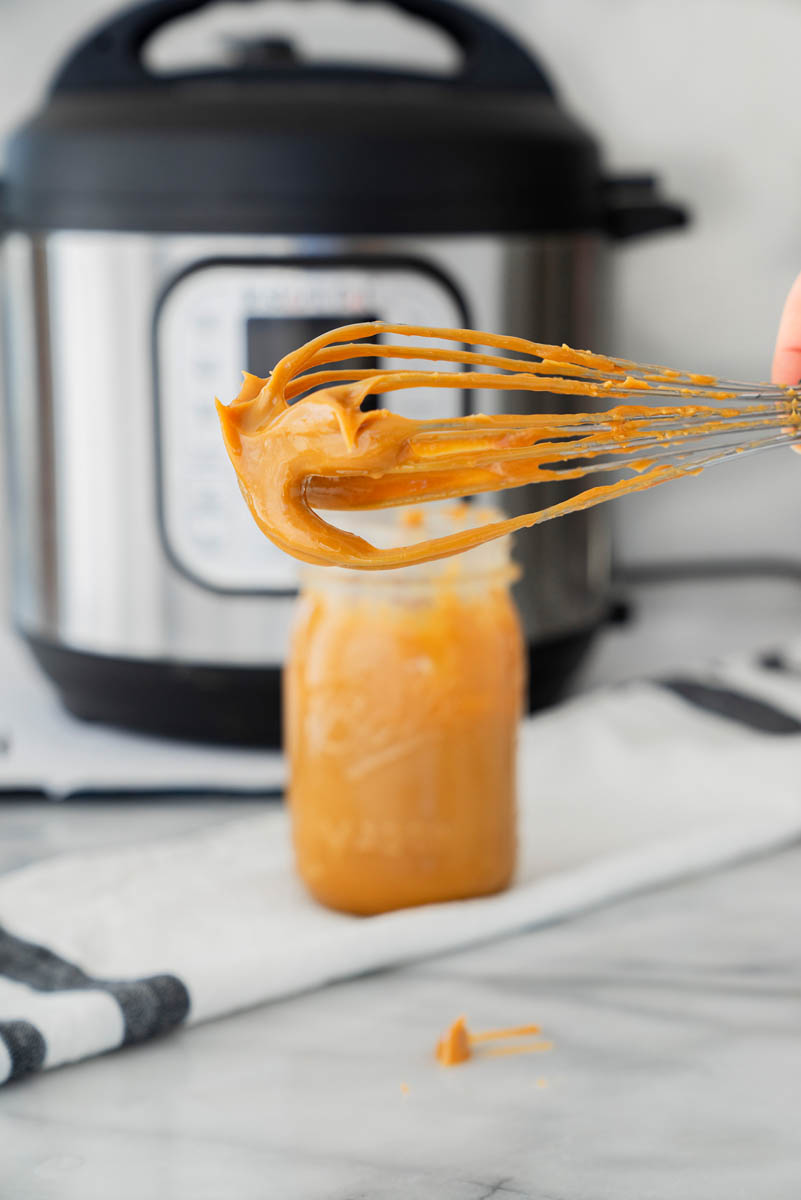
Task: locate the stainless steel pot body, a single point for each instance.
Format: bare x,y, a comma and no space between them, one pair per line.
129,538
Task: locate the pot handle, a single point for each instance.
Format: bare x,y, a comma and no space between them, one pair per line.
111,56
633,206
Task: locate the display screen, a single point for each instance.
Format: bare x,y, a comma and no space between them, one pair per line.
270,338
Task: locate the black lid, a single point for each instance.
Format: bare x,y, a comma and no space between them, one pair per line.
277,146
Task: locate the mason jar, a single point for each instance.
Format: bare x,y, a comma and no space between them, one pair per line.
403,695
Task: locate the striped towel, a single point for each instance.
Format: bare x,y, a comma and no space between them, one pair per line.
621,790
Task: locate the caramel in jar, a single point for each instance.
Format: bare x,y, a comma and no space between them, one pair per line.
402,699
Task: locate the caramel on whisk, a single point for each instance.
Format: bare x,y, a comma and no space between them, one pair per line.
324,453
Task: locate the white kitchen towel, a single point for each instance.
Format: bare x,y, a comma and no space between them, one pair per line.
45,749
621,790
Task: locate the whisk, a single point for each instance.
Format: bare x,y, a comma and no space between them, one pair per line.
644,425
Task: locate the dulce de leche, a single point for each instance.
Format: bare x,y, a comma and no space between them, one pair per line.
403,696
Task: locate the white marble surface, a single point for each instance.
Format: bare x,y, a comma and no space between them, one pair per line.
676,1071
675,1017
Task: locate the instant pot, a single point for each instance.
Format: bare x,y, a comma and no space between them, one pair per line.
162,232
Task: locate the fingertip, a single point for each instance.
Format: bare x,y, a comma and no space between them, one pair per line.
786,367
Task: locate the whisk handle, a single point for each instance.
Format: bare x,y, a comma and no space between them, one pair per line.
111,56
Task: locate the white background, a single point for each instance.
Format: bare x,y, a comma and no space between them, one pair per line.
704,91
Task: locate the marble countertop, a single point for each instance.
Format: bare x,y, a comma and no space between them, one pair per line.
675,1018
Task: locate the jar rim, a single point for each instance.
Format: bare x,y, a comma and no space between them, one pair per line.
391,528
347,578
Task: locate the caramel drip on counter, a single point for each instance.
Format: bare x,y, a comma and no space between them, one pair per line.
457,1044
454,1045
324,452
493,1035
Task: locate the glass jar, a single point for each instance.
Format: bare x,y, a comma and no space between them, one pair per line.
403,695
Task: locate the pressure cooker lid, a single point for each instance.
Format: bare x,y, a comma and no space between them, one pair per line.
281,146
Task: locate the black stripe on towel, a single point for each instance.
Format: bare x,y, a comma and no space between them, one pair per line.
25,1046
772,660
778,664
733,705
40,968
150,1006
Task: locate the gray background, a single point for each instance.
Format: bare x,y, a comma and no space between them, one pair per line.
705,91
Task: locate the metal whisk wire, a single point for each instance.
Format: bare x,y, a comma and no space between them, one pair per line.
303,444
670,417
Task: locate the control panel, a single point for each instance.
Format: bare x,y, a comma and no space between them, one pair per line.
222,317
